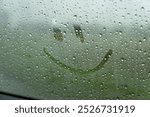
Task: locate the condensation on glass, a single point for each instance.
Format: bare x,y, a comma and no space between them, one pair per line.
54,49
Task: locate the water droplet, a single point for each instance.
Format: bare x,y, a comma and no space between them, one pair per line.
104,29
140,42
65,88
125,86
120,23
120,32
123,59
28,68
37,66
149,73
141,26
75,17
142,8
96,47
143,64
54,21
30,34
144,39
74,57
64,32
100,34
87,22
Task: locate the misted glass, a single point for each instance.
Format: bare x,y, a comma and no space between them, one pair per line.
75,49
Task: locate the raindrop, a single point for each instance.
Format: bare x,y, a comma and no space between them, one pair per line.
140,42
143,64
144,39
65,25
123,59
149,73
37,66
87,22
120,32
28,68
104,29
142,8
141,26
100,34
65,88
74,57
96,47
64,32
30,34
120,23
125,86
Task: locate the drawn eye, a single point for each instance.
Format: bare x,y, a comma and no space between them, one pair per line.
78,32
58,34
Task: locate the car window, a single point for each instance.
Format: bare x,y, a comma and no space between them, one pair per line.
66,49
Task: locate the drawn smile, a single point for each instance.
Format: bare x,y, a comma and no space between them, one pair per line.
98,67
78,31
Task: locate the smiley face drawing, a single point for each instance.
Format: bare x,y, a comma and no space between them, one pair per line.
58,35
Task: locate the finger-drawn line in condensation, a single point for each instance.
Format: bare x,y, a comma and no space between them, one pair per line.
58,34
98,67
78,32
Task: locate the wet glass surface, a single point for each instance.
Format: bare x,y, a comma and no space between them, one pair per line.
75,49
